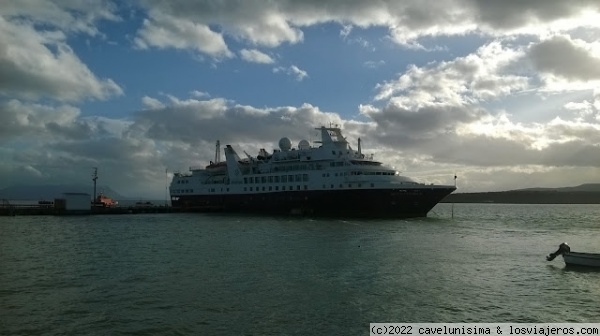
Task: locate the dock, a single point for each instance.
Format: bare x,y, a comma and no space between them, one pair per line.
46,210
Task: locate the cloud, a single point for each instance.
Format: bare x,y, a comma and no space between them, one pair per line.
18,120
477,77
292,71
68,16
37,64
256,56
271,24
152,103
561,56
374,64
166,31
200,94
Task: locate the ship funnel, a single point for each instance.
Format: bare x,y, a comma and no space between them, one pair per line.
233,168
325,137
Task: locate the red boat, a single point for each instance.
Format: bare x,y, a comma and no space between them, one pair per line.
105,201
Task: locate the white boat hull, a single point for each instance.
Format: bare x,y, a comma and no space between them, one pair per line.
582,259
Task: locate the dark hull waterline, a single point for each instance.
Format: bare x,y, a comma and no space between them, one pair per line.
390,203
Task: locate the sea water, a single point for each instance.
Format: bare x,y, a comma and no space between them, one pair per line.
212,274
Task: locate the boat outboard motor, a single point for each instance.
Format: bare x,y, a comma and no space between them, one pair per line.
562,248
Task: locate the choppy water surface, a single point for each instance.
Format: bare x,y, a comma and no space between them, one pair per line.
219,274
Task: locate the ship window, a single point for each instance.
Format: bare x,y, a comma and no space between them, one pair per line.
332,164
284,178
276,188
341,186
323,174
250,188
251,179
263,188
359,185
270,179
270,188
336,174
305,187
245,180
332,186
304,177
298,187
291,178
298,177
349,185
263,179
226,189
283,188
276,179
333,152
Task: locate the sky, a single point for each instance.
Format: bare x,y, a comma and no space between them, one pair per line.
502,94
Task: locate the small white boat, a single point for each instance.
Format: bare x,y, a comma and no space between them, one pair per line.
582,259
575,258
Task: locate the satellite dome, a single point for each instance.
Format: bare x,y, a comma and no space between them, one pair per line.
303,144
285,144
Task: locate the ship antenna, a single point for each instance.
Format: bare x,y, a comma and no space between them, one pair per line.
95,178
359,150
453,201
166,186
218,152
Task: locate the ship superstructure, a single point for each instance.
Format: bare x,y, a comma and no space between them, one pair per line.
329,179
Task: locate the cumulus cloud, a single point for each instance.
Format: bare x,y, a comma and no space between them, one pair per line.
292,70
256,56
560,56
271,24
69,16
166,31
36,64
476,77
152,103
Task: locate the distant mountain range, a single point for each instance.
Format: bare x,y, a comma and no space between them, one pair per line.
50,192
582,194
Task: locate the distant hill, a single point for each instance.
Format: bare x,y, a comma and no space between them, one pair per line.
50,192
582,194
582,187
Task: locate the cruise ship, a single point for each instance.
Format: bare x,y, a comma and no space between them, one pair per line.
326,179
